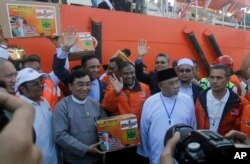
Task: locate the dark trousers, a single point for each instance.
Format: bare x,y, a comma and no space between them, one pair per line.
124,156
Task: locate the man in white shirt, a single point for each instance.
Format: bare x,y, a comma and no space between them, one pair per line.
30,86
160,112
185,73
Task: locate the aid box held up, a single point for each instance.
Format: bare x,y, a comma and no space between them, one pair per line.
118,132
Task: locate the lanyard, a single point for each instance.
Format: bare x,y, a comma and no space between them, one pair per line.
215,113
169,114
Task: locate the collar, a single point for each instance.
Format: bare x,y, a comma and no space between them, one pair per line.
26,99
77,100
169,97
132,86
94,82
211,97
189,86
135,87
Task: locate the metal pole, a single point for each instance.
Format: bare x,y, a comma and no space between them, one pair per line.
162,11
244,20
196,11
167,8
174,8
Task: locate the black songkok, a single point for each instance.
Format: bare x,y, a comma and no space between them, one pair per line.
166,74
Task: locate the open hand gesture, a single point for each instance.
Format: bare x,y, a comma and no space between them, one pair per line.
69,38
142,48
116,84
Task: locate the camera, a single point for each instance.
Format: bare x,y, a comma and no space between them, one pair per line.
200,146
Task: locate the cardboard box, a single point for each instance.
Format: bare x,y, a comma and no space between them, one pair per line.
118,132
122,56
85,45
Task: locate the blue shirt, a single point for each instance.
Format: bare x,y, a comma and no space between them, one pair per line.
95,90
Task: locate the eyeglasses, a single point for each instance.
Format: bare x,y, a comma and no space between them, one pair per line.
36,83
160,62
184,70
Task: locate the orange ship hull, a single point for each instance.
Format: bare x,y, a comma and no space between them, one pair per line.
123,30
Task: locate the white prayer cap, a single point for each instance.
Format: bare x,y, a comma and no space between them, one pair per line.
28,74
185,61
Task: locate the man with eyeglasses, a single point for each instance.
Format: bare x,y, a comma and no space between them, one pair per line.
185,73
30,86
51,91
161,62
160,112
74,122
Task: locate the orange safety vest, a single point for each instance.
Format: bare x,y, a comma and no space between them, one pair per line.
235,80
51,93
105,80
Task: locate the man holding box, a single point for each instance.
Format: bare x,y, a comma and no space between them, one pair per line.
74,122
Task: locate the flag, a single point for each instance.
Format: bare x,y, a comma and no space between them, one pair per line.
185,7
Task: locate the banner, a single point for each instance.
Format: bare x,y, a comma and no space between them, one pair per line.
23,19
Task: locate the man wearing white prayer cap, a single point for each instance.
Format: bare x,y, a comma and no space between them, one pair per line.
185,73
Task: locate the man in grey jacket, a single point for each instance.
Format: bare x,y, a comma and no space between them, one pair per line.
74,122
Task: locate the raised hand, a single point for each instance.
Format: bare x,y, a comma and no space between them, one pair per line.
142,48
116,84
94,150
69,38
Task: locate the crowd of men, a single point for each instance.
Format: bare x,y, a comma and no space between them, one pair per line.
64,127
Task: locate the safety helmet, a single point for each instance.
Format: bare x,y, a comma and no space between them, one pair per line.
226,60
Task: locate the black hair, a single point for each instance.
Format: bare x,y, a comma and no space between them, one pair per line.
124,64
175,63
117,60
77,67
163,55
22,85
86,58
127,52
75,74
222,67
32,58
